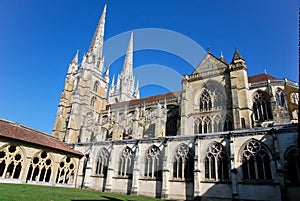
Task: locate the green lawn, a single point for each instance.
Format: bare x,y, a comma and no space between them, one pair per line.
34,193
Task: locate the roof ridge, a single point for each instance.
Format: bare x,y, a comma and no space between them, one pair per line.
13,123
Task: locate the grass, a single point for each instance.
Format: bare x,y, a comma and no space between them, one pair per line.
46,193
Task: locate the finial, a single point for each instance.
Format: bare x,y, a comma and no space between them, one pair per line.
221,54
208,49
265,71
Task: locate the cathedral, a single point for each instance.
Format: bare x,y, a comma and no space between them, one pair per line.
224,136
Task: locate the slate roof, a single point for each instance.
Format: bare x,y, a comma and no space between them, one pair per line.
145,100
237,56
260,78
22,133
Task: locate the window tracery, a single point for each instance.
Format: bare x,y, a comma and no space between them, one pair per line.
280,98
11,161
153,163
102,163
40,167
183,166
256,162
126,163
216,163
66,171
261,106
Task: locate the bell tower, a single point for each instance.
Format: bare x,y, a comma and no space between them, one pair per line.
84,93
239,89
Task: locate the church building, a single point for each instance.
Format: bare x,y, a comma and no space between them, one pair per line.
224,136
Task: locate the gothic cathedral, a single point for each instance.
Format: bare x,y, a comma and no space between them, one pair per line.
225,135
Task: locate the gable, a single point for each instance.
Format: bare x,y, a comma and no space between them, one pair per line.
209,63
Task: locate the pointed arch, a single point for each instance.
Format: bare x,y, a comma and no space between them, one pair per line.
96,85
11,161
183,162
66,171
262,106
40,167
126,163
153,163
292,161
102,162
256,161
217,163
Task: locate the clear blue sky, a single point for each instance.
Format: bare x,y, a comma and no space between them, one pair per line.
39,38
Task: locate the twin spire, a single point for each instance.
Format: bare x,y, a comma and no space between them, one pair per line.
96,46
125,90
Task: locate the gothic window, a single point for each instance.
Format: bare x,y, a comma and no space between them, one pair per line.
243,122
280,98
96,85
207,125
102,162
292,158
126,163
11,161
219,98
261,106
295,98
153,167
196,126
216,163
40,168
66,171
218,127
205,101
228,123
93,100
183,166
256,161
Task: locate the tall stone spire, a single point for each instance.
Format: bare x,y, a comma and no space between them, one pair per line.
125,89
127,66
96,46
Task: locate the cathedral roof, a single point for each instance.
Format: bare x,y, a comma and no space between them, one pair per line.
22,133
260,78
145,100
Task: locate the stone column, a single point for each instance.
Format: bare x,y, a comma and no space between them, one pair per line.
234,171
136,171
166,173
197,168
110,171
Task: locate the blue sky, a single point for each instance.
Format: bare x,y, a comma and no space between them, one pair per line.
39,38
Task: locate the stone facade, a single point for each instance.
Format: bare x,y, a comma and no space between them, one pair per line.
223,136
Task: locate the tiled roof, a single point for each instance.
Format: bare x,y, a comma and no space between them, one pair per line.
145,100
260,78
22,133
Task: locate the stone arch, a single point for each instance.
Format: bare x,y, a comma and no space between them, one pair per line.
256,160
126,163
183,162
292,165
12,158
153,163
261,106
66,171
40,168
280,97
102,162
216,162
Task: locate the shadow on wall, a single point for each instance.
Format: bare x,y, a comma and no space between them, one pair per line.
259,177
